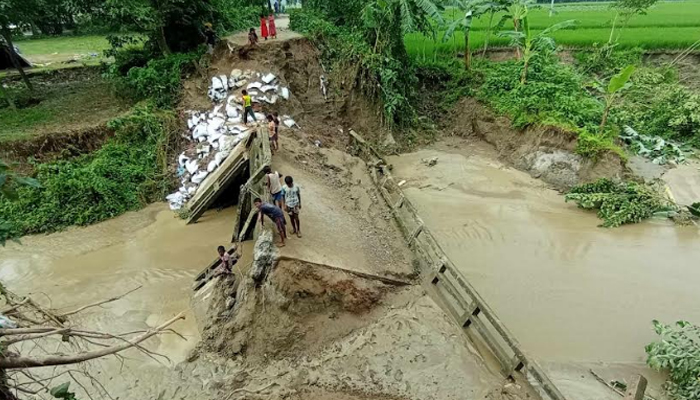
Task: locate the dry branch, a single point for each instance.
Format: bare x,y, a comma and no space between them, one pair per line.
99,303
32,362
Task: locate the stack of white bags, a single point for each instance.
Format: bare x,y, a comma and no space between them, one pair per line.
217,132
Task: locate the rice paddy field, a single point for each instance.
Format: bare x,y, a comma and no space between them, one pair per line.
667,25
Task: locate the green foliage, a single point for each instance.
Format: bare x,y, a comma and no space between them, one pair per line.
618,203
607,59
61,392
9,183
658,105
126,173
593,144
554,92
678,352
160,79
442,83
235,15
377,61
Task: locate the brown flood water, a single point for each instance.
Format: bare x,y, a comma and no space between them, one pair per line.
151,247
568,290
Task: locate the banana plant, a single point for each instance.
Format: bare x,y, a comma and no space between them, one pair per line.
471,9
493,7
611,92
530,44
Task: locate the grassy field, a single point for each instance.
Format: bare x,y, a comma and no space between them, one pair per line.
63,48
63,108
668,25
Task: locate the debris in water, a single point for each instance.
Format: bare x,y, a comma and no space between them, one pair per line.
430,161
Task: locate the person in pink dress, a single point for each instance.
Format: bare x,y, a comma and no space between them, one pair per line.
263,27
273,28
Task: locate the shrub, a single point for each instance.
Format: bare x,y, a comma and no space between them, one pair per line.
553,92
657,105
233,15
606,59
618,203
126,173
678,352
593,144
160,79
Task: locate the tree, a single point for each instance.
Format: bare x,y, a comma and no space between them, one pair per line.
20,14
529,44
626,9
617,84
389,20
471,9
493,7
173,25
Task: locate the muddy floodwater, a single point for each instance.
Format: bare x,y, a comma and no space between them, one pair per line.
151,247
567,289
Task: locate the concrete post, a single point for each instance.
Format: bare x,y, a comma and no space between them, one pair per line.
636,388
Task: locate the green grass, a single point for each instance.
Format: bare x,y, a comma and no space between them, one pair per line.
63,108
668,25
63,48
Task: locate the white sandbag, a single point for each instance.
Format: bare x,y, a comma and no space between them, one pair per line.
268,78
254,85
199,177
182,159
213,138
192,166
272,99
224,81
202,138
216,125
239,84
235,120
220,157
260,116
215,144
267,88
191,190
289,123
217,83
200,130
236,73
212,166
231,111
203,149
285,93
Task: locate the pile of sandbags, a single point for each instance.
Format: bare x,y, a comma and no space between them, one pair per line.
215,133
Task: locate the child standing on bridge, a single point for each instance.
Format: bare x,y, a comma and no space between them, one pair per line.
273,181
292,201
275,214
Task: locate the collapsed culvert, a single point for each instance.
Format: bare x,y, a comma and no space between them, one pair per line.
283,307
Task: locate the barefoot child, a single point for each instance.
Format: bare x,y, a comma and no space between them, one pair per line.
272,27
292,201
274,186
252,37
272,131
225,267
275,214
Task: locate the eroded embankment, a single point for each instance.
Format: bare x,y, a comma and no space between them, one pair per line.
304,330
545,152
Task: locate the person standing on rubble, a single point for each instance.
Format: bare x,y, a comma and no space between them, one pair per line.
275,214
247,107
273,181
272,132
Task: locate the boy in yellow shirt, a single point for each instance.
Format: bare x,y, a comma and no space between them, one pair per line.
247,107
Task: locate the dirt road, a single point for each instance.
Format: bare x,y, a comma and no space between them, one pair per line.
283,33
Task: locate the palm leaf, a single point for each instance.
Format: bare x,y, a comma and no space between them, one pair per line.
430,10
620,80
406,17
561,25
450,31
